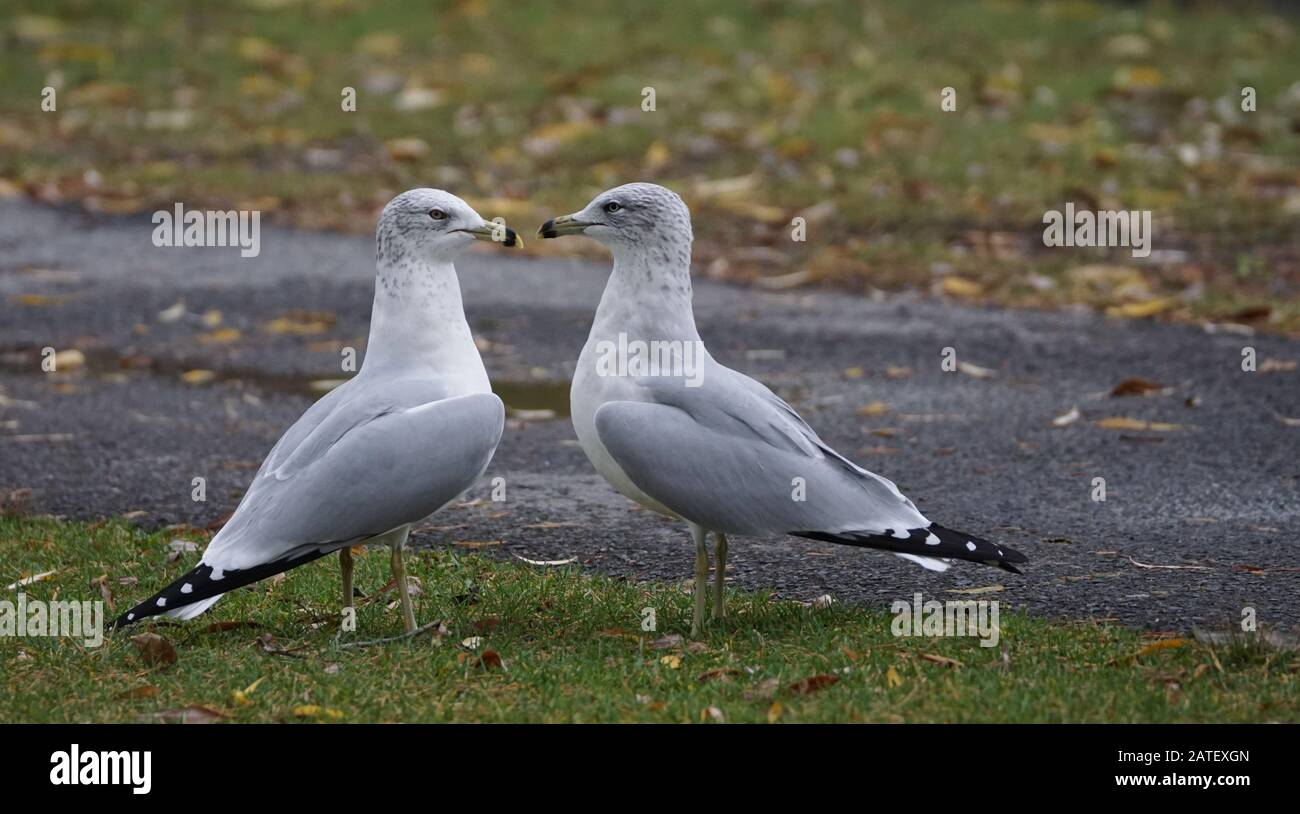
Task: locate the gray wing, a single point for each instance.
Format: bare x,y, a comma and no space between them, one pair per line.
362,464
731,456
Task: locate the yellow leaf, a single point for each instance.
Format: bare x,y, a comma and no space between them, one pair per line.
220,336
315,711
775,712
1163,644
892,678
1124,423
198,376
854,373
960,287
241,696
672,662
874,408
1138,310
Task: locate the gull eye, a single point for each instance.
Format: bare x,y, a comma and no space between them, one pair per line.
612,207
437,214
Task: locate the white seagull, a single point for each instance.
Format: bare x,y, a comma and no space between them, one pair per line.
409,433
687,437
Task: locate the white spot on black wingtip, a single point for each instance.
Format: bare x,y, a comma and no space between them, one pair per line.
162,601
970,546
931,540
130,617
186,588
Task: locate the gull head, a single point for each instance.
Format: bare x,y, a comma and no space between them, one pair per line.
645,216
433,225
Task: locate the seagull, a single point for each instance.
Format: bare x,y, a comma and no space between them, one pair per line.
681,434
414,429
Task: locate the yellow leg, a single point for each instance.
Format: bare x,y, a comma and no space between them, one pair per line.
701,579
345,563
720,577
403,589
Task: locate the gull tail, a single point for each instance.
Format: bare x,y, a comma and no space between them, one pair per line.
201,587
927,546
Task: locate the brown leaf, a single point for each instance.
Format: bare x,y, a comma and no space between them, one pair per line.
812,684
490,660
143,691
154,649
1138,387
944,660
719,673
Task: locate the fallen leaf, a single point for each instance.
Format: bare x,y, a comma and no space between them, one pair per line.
873,408
712,714
490,660
961,287
775,712
672,662
718,673
1138,387
136,693
763,690
892,678
898,372
472,643
1124,423
198,376
1139,310
154,650
1164,644
812,684
944,660
241,696
316,711
28,580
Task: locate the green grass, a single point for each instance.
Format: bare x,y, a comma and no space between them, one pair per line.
828,104
573,650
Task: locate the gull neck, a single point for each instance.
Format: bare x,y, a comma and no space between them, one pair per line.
648,295
418,321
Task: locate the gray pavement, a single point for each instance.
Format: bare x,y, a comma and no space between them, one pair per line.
1197,523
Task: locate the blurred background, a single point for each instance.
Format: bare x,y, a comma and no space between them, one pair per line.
764,111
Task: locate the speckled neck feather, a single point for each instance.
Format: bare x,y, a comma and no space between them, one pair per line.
649,291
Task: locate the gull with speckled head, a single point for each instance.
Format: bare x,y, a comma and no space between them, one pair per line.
414,429
717,449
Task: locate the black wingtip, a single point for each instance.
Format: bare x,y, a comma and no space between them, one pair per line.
935,541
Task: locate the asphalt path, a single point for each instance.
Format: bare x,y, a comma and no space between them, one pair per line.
1198,522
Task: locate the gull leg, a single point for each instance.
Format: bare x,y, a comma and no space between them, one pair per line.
399,576
701,578
345,563
720,576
